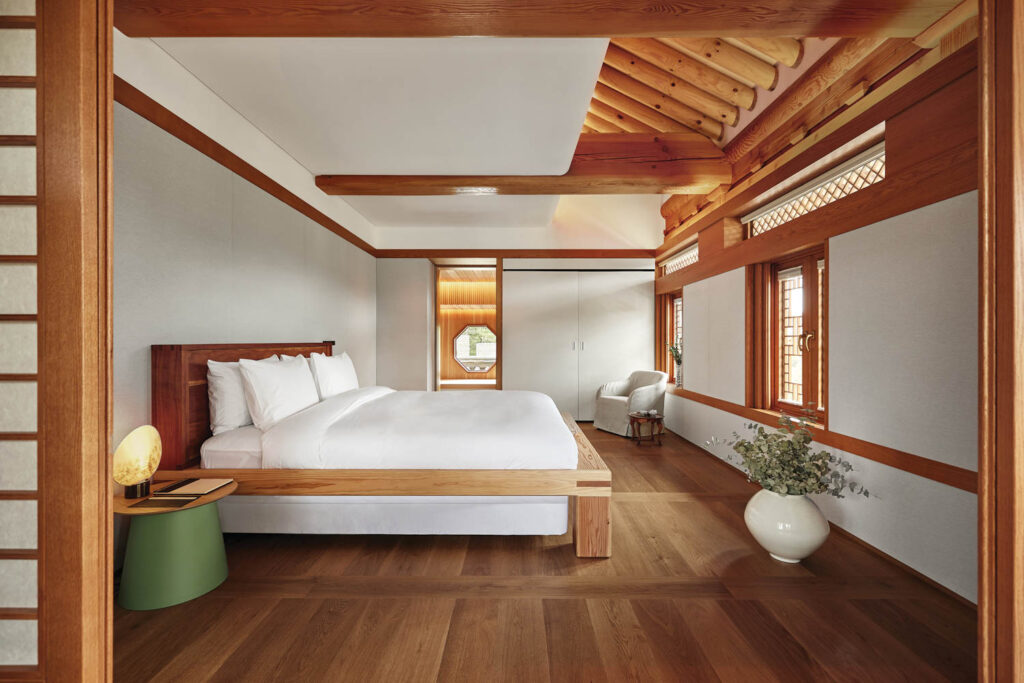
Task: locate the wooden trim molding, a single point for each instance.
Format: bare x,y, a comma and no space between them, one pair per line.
950,475
154,112
1001,345
74,112
524,18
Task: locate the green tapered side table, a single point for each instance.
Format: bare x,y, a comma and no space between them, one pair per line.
173,555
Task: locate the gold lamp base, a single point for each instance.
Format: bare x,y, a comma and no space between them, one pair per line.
140,490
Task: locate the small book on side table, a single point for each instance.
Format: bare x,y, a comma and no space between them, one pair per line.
192,487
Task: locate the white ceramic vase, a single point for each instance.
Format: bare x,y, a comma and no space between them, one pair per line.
679,374
789,527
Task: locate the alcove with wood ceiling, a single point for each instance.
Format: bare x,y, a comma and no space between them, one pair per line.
468,328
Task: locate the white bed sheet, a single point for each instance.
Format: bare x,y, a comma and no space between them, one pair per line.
236,449
380,428
524,431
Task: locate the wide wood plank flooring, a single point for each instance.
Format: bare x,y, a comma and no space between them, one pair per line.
687,595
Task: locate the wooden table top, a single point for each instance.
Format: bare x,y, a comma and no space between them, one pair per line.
123,506
649,418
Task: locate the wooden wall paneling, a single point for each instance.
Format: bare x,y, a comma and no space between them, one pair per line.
914,82
480,299
74,48
146,107
724,234
538,18
1001,348
951,475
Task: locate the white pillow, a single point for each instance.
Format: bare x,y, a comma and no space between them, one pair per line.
228,409
333,374
273,391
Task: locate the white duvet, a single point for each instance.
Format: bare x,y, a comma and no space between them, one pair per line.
380,428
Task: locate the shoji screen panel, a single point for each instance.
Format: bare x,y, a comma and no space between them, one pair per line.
19,538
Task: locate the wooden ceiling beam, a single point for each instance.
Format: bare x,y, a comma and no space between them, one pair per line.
621,119
785,51
519,18
730,59
686,163
640,112
674,109
601,125
671,85
685,67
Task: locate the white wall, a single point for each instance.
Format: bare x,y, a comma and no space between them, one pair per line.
714,336
405,323
902,372
903,312
202,256
924,524
142,63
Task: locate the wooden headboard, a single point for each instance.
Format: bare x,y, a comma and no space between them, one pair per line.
181,404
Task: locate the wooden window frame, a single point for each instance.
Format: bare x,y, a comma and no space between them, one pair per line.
763,335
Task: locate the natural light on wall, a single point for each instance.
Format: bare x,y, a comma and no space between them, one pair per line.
859,172
687,257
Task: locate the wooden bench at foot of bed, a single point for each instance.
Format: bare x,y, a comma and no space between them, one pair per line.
589,487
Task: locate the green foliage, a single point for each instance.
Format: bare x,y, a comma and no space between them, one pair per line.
782,461
677,353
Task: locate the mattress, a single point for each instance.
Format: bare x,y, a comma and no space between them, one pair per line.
380,428
237,449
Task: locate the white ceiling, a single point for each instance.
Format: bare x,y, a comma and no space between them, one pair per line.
433,106
457,211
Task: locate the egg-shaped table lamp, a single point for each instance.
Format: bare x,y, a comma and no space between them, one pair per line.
136,459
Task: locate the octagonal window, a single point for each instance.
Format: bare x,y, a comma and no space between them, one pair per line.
476,348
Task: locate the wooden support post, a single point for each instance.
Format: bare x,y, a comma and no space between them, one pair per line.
592,526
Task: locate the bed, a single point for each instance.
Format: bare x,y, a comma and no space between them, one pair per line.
375,460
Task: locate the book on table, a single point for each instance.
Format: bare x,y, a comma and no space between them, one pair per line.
192,487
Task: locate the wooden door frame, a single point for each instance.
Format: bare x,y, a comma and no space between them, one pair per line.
1001,347
74,107
74,340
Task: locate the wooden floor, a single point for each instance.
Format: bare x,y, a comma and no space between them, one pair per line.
687,595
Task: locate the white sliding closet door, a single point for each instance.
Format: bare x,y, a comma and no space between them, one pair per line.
616,326
540,312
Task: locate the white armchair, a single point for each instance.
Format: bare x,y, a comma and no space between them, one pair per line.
644,390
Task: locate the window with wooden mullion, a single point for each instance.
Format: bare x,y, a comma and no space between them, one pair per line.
798,296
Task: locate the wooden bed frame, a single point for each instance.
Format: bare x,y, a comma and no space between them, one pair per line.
181,413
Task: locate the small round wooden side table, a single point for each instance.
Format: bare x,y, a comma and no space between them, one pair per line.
173,554
655,427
